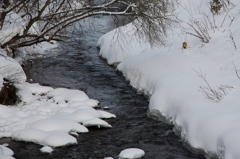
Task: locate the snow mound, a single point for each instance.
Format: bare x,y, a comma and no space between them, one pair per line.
63,94
96,122
48,116
54,138
80,116
59,138
6,157
37,89
46,149
105,115
51,124
10,69
5,152
88,102
131,153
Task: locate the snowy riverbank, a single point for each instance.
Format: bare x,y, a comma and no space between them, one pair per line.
46,116
196,89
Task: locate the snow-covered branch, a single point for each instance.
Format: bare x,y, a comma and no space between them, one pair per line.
47,18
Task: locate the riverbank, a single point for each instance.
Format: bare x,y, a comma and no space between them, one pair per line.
196,88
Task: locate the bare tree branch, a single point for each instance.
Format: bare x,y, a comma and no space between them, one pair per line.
45,19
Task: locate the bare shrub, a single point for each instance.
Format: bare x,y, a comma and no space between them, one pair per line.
201,27
212,93
200,30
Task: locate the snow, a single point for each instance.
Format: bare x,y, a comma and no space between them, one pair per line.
171,76
10,69
89,102
124,35
67,95
108,158
44,115
10,29
51,124
5,152
36,89
46,149
49,116
104,114
96,122
53,138
131,153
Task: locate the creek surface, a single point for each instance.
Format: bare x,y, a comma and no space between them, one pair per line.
80,67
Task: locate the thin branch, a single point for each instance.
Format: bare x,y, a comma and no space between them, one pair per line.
236,70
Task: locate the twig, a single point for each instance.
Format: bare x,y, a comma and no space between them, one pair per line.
236,70
210,92
232,39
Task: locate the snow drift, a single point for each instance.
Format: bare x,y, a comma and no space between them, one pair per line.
181,82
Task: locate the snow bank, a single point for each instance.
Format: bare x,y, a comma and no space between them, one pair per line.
176,78
5,152
10,69
48,116
125,35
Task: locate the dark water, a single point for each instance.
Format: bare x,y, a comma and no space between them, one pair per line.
79,67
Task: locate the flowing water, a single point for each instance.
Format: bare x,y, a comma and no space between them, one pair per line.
80,67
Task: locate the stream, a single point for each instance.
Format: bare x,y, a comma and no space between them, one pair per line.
78,66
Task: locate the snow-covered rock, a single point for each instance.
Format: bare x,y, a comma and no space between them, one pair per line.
131,153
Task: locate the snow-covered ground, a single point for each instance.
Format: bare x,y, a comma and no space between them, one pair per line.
196,89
